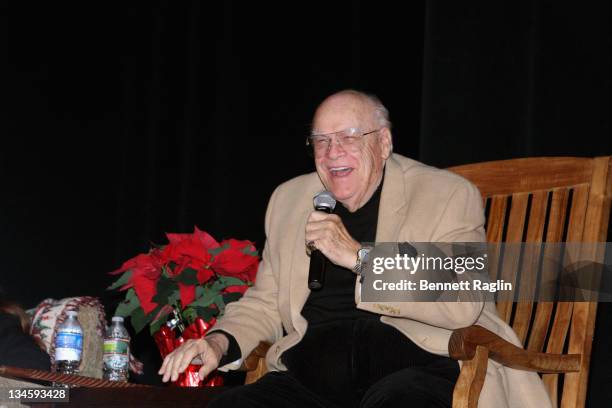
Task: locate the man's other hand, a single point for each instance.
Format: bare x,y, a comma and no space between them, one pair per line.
209,350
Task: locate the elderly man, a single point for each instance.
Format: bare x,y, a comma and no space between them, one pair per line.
328,347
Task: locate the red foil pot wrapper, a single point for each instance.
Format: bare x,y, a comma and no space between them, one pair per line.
166,342
190,378
164,339
198,328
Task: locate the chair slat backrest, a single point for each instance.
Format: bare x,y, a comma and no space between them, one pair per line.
548,199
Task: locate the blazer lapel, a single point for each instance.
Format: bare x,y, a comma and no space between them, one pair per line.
300,262
393,200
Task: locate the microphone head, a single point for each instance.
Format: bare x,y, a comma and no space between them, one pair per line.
324,200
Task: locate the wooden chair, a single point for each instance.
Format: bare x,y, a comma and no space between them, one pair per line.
551,199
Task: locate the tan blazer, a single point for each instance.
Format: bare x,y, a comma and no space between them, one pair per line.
418,204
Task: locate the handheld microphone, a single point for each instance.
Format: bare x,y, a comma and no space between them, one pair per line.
324,201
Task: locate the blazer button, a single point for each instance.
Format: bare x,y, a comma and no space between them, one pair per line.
277,350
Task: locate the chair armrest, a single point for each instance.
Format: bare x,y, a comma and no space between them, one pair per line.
463,342
255,363
258,354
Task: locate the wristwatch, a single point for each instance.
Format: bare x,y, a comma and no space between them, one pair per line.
362,257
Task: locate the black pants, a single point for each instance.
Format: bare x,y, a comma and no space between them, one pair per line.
352,363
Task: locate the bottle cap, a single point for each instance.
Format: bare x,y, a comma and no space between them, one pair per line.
117,319
72,313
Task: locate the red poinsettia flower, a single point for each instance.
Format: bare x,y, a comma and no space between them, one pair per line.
191,265
204,275
205,238
146,270
187,293
147,263
186,251
236,261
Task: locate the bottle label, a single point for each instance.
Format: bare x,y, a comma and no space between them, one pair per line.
116,346
68,346
116,354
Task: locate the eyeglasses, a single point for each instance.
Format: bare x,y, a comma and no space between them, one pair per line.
349,139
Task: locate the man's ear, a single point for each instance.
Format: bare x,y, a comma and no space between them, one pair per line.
386,142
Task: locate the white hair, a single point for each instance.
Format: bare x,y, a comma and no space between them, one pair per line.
381,113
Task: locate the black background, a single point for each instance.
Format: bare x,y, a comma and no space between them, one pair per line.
122,121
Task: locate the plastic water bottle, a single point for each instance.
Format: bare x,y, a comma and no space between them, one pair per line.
69,345
116,351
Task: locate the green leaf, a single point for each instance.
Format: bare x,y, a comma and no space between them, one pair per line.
231,297
216,251
174,298
248,251
189,314
165,288
225,281
206,299
231,281
206,313
189,276
157,324
131,303
220,303
139,320
121,281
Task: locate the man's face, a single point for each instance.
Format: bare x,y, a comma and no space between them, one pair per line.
350,173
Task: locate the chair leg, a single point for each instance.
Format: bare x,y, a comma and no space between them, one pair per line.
470,381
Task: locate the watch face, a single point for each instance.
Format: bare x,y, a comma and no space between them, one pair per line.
363,253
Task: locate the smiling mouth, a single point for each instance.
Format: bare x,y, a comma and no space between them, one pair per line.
340,171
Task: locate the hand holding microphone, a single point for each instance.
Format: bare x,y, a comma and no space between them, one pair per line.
327,237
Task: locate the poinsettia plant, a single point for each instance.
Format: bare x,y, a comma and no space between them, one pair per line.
193,274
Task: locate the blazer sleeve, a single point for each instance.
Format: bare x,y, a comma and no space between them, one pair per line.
462,220
255,316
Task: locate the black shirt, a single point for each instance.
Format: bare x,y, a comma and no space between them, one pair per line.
336,300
